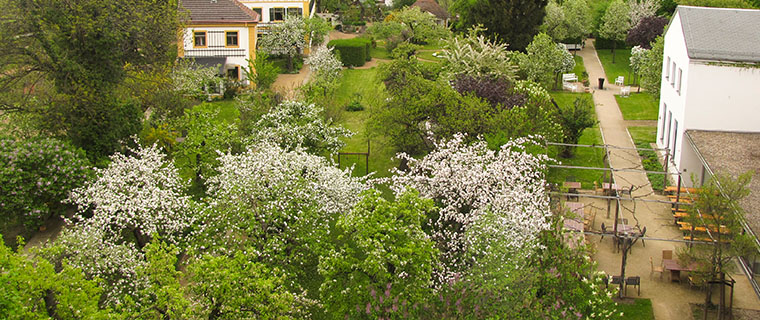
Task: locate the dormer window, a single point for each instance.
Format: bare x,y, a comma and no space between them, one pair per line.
199,39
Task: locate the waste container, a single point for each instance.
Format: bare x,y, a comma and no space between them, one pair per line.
601,83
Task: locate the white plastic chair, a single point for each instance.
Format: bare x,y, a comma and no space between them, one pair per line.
620,80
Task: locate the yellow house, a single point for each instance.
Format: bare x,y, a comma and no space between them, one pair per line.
219,32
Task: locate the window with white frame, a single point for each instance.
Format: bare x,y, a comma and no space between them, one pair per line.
667,70
678,87
664,113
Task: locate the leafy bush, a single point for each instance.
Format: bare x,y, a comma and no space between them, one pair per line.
354,106
264,72
353,52
35,176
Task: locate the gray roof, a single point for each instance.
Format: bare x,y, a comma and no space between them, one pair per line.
733,153
721,33
218,11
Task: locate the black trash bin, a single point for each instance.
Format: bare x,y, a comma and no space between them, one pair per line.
601,83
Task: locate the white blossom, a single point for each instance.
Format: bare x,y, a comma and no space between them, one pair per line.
294,124
471,182
143,193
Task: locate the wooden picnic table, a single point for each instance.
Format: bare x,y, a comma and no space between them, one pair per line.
685,226
676,267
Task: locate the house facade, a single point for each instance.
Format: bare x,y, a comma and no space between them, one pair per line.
273,11
710,81
220,32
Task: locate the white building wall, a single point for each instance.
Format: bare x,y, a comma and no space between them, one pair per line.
711,97
216,47
266,5
671,117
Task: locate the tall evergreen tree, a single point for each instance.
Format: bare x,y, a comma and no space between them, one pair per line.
512,21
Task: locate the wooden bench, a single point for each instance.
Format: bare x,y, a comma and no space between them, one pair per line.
705,239
569,77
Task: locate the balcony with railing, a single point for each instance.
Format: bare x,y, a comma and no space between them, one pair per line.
216,47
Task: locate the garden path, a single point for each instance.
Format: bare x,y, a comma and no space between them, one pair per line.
669,300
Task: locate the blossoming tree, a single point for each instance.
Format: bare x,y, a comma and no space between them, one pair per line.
471,182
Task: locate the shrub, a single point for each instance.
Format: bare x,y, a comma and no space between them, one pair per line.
353,52
354,106
35,176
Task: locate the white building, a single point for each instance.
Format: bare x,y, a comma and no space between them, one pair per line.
220,32
273,11
711,81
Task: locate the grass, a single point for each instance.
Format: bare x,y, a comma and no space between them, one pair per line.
643,137
640,309
638,106
621,66
583,156
363,82
579,67
428,55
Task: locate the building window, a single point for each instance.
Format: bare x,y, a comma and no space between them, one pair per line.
667,70
231,39
678,87
675,134
295,12
234,73
664,112
276,14
199,39
258,10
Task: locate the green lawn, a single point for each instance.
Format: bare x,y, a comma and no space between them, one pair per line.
621,66
638,106
364,82
643,137
228,112
583,156
579,67
640,309
428,55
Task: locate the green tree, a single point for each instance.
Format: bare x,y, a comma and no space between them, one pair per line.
555,22
615,23
574,119
514,22
81,49
31,289
651,67
716,208
577,19
287,38
36,175
235,287
545,60
381,256
264,72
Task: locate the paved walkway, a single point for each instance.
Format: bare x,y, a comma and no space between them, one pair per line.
669,300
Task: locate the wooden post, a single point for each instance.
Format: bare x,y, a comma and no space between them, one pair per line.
665,178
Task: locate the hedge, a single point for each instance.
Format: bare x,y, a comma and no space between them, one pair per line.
352,52
368,43
600,43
